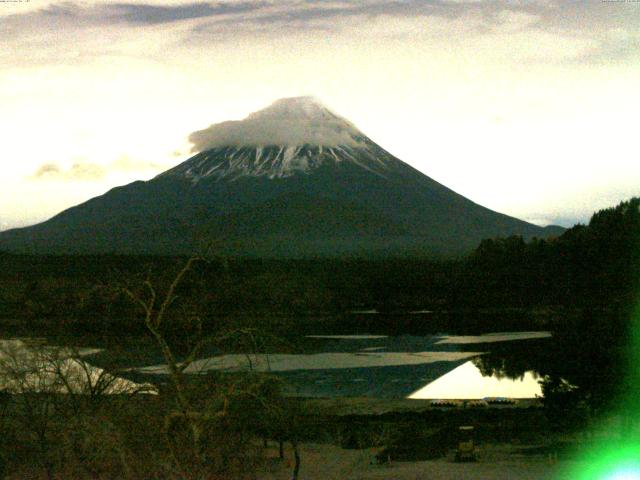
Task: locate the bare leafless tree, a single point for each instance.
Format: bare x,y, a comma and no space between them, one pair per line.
53,386
155,306
235,401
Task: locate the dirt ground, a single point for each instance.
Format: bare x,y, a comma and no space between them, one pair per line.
496,462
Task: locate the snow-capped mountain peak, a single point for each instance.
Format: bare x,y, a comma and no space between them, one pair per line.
291,136
295,107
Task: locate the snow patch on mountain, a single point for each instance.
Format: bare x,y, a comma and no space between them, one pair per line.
288,122
230,163
292,136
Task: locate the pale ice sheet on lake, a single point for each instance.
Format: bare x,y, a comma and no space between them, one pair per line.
467,383
349,337
47,369
491,337
319,361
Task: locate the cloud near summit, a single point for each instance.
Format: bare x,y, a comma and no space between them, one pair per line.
287,122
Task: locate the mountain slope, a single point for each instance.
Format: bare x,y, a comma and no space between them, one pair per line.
291,180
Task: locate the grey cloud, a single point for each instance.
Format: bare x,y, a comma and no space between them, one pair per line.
65,18
77,171
299,11
296,15
47,169
614,50
88,171
156,14
288,121
85,171
308,16
577,19
74,33
242,12
229,20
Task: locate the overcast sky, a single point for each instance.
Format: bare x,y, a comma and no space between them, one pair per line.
527,107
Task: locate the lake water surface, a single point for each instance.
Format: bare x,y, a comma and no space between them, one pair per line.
415,367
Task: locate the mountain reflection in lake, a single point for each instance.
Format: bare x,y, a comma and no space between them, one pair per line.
467,382
396,367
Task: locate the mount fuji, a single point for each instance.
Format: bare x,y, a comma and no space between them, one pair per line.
292,180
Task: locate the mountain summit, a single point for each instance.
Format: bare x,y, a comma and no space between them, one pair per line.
293,135
293,179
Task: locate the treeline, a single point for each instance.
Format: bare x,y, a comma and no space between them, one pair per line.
69,291
590,367
591,265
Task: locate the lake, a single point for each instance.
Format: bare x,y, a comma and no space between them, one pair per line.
379,366
434,367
